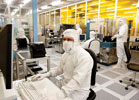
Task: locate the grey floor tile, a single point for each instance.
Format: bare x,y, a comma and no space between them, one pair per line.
121,71
120,89
135,97
137,75
101,80
103,95
111,74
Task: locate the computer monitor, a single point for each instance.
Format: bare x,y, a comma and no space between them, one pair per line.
6,54
82,37
21,43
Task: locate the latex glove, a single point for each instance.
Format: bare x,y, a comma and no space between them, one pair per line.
40,76
113,37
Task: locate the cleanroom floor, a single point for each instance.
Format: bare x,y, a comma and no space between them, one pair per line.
107,85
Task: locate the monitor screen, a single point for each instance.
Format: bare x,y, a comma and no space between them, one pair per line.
6,54
21,43
82,37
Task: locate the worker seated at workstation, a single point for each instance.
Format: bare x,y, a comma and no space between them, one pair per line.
76,65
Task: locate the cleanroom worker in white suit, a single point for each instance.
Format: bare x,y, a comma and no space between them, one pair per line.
121,38
21,34
76,65
92,37
79,30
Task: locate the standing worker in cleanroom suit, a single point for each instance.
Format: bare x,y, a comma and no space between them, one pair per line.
121,38
76,65
79,30
92,37
21,34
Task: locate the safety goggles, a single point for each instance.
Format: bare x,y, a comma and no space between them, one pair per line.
68,39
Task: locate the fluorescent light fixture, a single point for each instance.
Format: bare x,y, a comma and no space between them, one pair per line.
21,5
8,1
64,10
30,11
69,16
15,10
110,14
13,13
130,12
55,3
126,16
44,7
38,10
91,13
81,7
93,4
111,8
26,1
96,3
127,8
134,4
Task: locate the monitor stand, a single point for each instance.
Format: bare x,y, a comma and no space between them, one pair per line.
9,94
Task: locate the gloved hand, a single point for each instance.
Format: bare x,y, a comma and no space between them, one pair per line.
113,37
40,76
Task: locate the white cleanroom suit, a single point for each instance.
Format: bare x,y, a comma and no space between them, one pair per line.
21,34
92,37
76,65
79,30
121,38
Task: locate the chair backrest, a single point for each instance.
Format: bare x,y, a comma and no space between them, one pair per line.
94,45
93,74
127,52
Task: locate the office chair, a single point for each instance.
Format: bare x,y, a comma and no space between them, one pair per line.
92,94
94,45
131,65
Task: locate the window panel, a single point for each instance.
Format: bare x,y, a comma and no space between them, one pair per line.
64,15
128,9
71,15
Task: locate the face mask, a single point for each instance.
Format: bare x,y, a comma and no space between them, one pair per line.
67,46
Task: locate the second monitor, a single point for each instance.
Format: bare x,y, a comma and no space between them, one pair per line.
82,37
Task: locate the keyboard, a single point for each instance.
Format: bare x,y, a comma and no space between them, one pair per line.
29,92
39,90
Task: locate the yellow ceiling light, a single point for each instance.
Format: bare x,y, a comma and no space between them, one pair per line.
63,10
111,8
135,4
127,8
93,11
107,11
130,12
80,7
93,4
110,14
126,16
96,3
